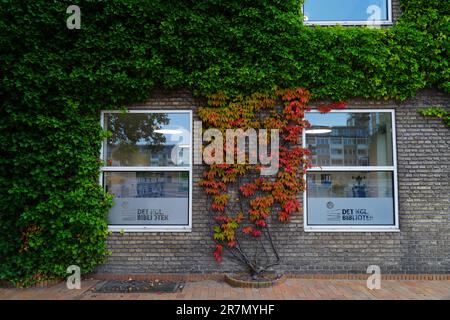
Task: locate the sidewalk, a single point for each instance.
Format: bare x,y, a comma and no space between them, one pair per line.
218,290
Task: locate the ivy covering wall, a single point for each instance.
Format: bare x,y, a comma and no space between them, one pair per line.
54,81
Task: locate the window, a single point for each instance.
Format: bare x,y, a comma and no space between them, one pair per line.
323,141
148,169
357,189
336,140
348,141
353,12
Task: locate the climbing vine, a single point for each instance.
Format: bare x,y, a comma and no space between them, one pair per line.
438,112
243,201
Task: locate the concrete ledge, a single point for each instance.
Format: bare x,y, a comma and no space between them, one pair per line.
191,277
188,277
194,277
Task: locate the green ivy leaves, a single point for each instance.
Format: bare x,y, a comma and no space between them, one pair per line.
437,112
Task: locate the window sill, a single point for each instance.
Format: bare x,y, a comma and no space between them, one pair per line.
352,229
150,228
348,23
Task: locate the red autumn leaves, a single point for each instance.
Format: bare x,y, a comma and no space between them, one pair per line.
248,189
324,108
263,195
218,253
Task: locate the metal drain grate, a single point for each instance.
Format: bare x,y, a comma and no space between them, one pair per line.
116,286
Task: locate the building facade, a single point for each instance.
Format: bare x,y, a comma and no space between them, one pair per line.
412,237
380,154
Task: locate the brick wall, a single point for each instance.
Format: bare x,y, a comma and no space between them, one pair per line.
422,245
396,10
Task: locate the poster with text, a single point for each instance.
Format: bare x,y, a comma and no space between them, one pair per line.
351,211
149,211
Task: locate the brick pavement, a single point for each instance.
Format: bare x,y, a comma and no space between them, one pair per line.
297,289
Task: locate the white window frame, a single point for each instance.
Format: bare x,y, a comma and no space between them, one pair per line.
393,169
387,22
147,228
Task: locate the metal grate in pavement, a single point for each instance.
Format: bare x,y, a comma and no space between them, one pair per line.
130,286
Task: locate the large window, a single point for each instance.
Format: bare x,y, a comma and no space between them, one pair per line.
355,12
353,183
148,169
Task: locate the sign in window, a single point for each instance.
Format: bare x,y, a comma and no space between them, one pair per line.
350,198
148,198
352,185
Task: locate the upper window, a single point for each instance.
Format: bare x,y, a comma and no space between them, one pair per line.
355,12
358,139
147,168
151,139
352,185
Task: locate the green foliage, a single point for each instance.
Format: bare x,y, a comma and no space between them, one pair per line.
437,112
54,81
52,210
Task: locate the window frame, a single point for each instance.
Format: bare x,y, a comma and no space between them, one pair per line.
387,22
393,169
150,228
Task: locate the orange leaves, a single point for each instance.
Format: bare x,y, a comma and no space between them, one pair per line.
280,194
213,187
236,123
247,230
324,108
291,206
261,223
209,116
222,219
339,105
261,196
292,133
266,186
289,180
232,244
274,123
217,100
262,202
217,207
255,214
283,216
299,94
248,189
260,101
218,253
295,111
220,201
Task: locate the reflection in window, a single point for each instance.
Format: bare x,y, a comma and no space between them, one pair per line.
345,10
147,169
144,184
148,198
349,184
147,139
367,138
